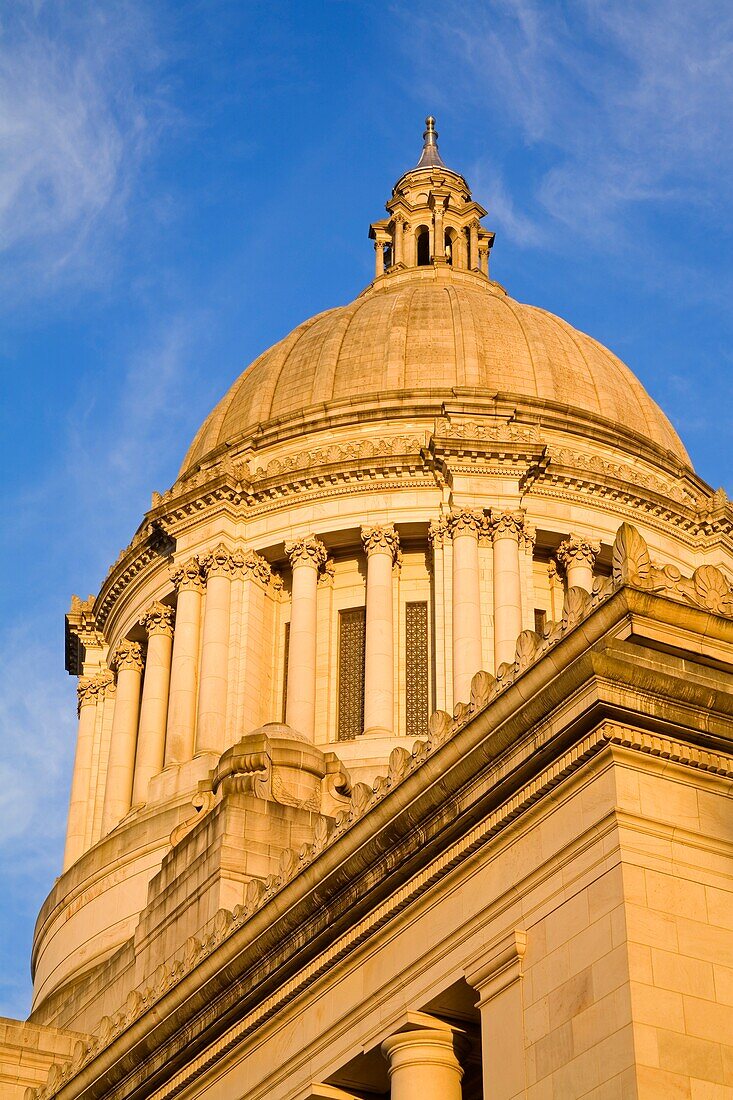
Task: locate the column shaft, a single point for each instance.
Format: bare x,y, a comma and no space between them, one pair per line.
381,545
378,259
123,741
181,722
211,720
507,586
307,555
81,803
473,245
154,707
398,241
423,1065
467,657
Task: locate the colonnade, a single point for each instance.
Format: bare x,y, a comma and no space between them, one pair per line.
179,707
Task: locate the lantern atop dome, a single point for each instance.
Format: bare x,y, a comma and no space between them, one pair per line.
433,219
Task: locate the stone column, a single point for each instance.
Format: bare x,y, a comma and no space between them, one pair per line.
307,556
218,567
423,1065
378,259
465,526
409,250
506,528
128,663
439,538
380,545
578,556
483,258
438,231
179,738
397,247
158,623
496,977
473,245
81,801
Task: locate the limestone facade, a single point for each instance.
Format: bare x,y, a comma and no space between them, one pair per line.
403,760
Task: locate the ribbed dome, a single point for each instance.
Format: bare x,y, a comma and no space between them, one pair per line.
429,332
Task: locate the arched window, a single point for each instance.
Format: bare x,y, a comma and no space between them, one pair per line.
422,236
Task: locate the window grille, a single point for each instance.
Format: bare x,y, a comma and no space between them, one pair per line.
352,647
416,659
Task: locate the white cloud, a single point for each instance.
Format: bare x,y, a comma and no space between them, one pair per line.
624,102
75,122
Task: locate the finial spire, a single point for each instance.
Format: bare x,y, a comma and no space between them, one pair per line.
430,157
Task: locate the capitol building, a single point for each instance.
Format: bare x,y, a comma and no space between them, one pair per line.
404,752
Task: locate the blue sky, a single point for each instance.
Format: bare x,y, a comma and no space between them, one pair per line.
181,183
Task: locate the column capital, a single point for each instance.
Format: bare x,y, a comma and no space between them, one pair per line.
467,521
128,656
577,550
220,562
158,619
507,525
90,687
187,577
381,539
307,550
253,566
528,537
438,531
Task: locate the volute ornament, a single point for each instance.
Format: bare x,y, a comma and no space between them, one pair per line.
158,619
467,521
577,550
381,539
307,550
507,524
128,656
220,562
187,577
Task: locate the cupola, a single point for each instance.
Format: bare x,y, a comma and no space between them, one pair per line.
433,219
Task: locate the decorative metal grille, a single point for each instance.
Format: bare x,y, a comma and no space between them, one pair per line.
352,647
416,653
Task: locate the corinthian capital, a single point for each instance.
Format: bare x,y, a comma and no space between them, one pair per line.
467,521
507,525
128,656
158,619
254,566
187,577
382,539
576,550
438,531
89,688
307,550
220,562
86,691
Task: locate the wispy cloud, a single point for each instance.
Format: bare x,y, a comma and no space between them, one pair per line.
626,103
78,109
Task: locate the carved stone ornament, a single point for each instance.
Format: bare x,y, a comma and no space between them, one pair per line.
307,550
438,531
507,525
220,562
158,619
707,588
254,566
528,537
467,521
89,688
128,656
188,577
382,539
576,550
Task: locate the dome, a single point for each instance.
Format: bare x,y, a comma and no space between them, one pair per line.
420,337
